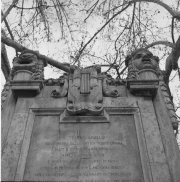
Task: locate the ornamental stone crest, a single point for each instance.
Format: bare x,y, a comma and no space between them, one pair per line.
142,65
85,91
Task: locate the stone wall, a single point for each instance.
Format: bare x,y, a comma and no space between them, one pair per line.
87,127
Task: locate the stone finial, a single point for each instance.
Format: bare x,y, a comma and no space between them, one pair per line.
143,72
27,67
142,65
27,75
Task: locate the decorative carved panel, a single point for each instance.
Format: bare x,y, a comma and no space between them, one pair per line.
85,91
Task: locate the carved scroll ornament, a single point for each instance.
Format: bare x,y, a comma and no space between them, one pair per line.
63,83
109,81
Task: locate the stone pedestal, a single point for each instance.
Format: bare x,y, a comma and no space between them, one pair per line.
131,140
147,74
146,88
24,88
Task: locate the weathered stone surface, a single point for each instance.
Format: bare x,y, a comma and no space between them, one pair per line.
121,90
142,65
79,152
154,143
159,172
153,139
26,88
28,67
23,104
145,104
119,102
85,91
168,139
130,140
49,89
146,88
11,151
6,116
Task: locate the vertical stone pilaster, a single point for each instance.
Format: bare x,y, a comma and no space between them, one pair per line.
157,158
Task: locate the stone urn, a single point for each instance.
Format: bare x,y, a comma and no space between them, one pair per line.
22,75
147,74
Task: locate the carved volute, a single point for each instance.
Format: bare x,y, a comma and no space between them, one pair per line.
62,82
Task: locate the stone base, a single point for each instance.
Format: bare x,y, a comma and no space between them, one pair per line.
26,88
84,118
146,88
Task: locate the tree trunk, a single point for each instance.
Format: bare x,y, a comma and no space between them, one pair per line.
5,66
172,61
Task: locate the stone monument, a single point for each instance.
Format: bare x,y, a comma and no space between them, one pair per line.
86,126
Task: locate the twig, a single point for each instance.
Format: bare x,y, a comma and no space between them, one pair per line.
8,10
172,45
7,25
95,4
9,30
172,30
175,14
21,48
81,51
123,70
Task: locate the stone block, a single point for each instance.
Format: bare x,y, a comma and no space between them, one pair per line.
159,172
153,138
26,88
119,102
145,104
146,88
12,148
47,91
82,151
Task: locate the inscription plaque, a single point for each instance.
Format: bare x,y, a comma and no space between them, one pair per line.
84,152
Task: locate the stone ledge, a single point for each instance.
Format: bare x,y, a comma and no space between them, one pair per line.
26,88
147,88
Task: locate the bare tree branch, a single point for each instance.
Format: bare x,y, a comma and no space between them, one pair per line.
9,30
172,30
123,70
5,66
172,61
21,48
92,9
82,49
7,25
8,10
166,43
175,14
